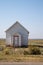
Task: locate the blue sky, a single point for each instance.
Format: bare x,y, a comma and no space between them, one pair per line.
28,12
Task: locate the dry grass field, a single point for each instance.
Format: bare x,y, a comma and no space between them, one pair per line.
36,42
17,54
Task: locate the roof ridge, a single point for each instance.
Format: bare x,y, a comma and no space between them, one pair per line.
19,24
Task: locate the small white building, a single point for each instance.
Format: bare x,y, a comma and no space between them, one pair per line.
17,35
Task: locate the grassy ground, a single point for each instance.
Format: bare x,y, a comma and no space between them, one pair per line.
36,42
17,54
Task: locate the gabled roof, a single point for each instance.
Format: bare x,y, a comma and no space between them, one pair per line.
15,24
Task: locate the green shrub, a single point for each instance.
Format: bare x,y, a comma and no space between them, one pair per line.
1,48
8,51
26,53
35,51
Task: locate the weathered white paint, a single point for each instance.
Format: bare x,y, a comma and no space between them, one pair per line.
16,41
17,29
19,40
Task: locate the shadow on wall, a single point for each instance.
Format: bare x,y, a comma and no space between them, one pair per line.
23,46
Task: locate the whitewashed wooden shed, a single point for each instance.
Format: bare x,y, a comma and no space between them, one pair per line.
17,35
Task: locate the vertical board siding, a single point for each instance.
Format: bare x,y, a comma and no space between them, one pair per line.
17,29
